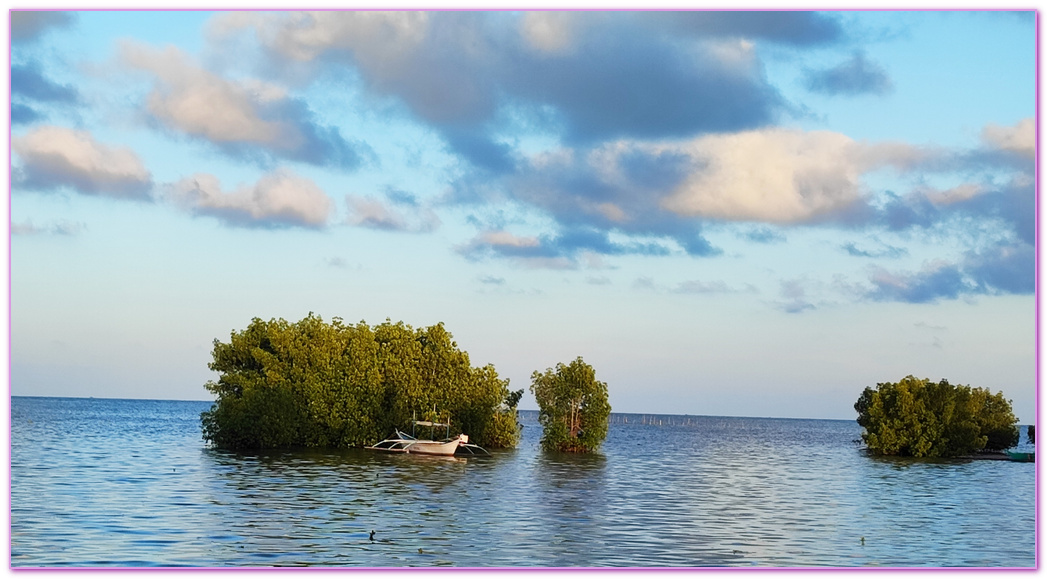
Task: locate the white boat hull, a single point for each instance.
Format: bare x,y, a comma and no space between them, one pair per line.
432,447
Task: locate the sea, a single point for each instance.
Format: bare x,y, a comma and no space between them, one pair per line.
130,483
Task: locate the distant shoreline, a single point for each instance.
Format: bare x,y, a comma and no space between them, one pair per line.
616,417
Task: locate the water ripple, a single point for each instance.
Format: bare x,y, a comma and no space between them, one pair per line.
129,483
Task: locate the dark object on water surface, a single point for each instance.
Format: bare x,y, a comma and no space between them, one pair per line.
372,535
1021,456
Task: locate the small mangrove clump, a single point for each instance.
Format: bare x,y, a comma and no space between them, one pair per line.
317,384
573,407
919,418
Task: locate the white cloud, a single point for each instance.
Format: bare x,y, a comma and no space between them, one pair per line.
199,103
772,176
278,199
1020,139
53,157
776,175
245,118
375,37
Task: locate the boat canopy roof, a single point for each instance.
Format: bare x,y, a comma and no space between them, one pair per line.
427,423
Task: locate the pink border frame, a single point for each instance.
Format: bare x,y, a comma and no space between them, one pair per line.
107,570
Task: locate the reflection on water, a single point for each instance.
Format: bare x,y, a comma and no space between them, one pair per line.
128,483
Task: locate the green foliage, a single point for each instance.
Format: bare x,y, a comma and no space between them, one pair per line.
512,399
573,407
920,418
317,384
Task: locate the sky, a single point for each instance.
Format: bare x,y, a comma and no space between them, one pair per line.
724,213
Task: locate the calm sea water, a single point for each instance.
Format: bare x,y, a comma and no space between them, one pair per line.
98,482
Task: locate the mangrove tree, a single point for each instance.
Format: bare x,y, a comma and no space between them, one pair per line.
920,418
573,407
317,384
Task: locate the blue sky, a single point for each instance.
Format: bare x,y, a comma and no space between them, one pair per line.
747,213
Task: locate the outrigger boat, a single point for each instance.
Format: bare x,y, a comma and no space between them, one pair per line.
408,444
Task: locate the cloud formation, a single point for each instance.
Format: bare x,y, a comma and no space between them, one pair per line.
936,280
56,157
594,193
771,176
27,81
661,132
1003,268
61,228
569,248
503,243
22,114
856,76
527,251
399,212
30,25
657,197
661,193
32,91
1019,139
794,297
617,134
884,251
604,76
710,287
764,235
792,28
247,119
279,199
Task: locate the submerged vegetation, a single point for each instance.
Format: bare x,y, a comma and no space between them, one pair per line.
573,407
317,384
919,418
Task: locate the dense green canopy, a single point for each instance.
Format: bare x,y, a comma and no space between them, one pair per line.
573,407
917,417
317,384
